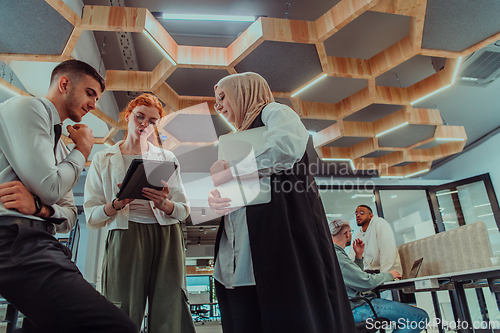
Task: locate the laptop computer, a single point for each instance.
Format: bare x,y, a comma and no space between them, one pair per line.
416,268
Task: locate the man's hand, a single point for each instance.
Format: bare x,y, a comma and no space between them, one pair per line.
395,274
220,172
359,247
82,136
14,195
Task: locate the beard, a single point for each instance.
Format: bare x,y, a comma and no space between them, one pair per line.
72,106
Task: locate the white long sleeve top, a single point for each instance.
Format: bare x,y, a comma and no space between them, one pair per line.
285,144
101,186
380,252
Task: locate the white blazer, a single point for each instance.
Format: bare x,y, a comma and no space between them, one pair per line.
107,171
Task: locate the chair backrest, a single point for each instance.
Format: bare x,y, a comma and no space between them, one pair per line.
460,249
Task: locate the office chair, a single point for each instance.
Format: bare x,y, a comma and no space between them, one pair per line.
364,327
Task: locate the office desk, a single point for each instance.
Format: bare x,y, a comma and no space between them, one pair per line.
455,283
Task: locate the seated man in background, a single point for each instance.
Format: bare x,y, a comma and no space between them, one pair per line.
359,283
381,253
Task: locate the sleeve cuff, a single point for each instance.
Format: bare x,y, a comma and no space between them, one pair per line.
76,157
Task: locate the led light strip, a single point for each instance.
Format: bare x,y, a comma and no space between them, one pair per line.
159,47
391,129
199,17
450,139
416,173
307,86
443,88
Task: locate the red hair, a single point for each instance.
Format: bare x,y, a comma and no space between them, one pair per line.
145,99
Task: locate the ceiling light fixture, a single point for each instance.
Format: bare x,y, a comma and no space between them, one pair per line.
450,139
307,86
416,173
357,195
450,192
200,17
486,204
456,70
388,177
490,214
159,47
340,160
391,129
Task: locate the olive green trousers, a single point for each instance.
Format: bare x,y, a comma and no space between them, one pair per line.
147,262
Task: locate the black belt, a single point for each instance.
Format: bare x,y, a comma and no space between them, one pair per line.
10,220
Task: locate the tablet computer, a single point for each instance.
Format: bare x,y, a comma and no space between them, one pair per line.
145,173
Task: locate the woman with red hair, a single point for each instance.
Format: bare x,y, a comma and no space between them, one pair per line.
144,256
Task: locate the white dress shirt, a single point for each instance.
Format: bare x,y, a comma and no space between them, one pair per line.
27,155
285,144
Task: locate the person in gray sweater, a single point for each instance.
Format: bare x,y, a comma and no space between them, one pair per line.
406,318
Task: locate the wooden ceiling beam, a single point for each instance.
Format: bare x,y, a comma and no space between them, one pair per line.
12,88
293,31
424,117
391,57
437,81
248,41
113,18
329,134
168,96
161,72
348,67
107,119
128,80
395,119
341,153
153,28
392,96
451,132
401,7
207,57
315,110
358,129
353,103
32,57
364,148
70,45
339,16
65,11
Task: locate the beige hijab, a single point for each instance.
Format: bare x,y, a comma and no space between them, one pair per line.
247,94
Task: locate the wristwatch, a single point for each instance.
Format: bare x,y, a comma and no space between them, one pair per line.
38,204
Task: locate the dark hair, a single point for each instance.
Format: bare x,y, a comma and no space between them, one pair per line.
365,206
76,69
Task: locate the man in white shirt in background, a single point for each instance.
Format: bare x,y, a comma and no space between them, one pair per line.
381,253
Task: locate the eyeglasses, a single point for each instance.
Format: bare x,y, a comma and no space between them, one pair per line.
141,118
345,233
218,101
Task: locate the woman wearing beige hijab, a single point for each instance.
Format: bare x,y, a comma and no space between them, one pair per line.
275,267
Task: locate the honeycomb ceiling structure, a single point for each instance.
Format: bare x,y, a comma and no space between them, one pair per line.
366,109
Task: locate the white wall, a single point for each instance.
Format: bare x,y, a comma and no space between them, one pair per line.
484,158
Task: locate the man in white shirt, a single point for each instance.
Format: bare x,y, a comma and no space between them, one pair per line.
381,253
37,174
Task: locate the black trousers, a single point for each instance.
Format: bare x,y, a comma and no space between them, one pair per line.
38,277
239,309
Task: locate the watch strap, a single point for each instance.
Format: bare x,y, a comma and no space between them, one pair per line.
38,204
